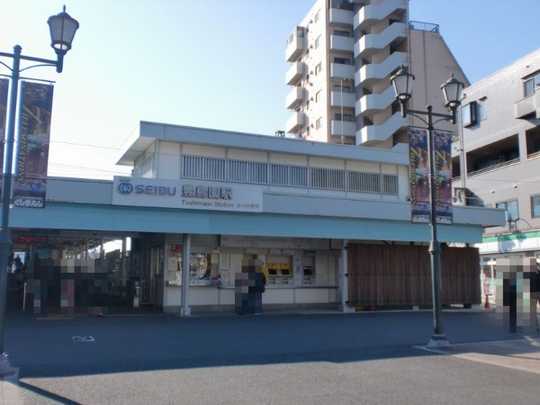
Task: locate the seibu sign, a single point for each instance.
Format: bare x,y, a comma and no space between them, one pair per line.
186,194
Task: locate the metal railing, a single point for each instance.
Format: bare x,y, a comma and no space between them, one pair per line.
424,26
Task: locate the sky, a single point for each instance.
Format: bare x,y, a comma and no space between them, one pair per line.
208,63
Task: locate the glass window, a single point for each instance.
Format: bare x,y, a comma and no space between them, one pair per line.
318,96
317,16
470,114
318,42
318,123
528,87
512,209
535,206
318,68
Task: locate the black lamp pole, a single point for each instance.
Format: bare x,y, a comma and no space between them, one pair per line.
452,93
63,28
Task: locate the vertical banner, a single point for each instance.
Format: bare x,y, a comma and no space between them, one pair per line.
30,185
443,176
4,86
419,175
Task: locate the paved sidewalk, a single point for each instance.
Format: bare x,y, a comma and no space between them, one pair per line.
520,354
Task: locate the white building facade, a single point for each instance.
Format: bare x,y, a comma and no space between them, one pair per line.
342,55
498,163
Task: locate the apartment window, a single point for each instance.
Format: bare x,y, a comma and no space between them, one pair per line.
343,61
532,137
318,69
317,16
346,117
318,96
528,87
511,207
342,33
318,42
494,155
318,123
531,84
535,206
470,114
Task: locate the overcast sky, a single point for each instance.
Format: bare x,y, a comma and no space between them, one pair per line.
209,63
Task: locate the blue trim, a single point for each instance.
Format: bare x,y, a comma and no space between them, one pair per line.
138,219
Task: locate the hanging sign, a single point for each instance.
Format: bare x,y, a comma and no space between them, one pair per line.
443,176
4,86
30,187
419,174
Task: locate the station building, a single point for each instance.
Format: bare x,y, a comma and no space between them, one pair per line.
328,224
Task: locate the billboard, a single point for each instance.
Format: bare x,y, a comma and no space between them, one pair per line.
4,86
419,176
30,186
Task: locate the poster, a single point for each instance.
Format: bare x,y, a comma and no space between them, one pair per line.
30,187
4,86
419,174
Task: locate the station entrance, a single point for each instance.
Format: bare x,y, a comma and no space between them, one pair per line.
66,272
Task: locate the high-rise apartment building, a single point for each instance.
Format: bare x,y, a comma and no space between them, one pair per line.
342,55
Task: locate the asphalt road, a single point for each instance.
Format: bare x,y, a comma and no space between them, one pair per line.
285,359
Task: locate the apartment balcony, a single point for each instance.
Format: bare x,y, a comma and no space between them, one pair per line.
341,17
345,99
295,98
296,45
528,107
374,13
296,123
375,102
378,71
342,128
381,132
340,43
295,73
341,71
371,43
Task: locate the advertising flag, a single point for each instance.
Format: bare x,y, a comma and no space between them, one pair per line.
443,176
4,86
30,187
419,176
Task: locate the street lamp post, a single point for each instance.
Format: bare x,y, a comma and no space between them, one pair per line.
62,29
452,92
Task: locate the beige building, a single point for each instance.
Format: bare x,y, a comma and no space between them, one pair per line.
342,55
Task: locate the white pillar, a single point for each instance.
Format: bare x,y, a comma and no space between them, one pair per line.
185,310
344,280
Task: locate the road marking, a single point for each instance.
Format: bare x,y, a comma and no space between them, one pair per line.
83,339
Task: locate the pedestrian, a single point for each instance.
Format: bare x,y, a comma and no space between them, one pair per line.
535,295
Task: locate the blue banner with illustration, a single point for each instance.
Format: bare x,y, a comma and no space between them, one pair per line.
30,186
443,176
419,174
4,87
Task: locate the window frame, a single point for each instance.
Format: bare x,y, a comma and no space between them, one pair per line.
472,109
